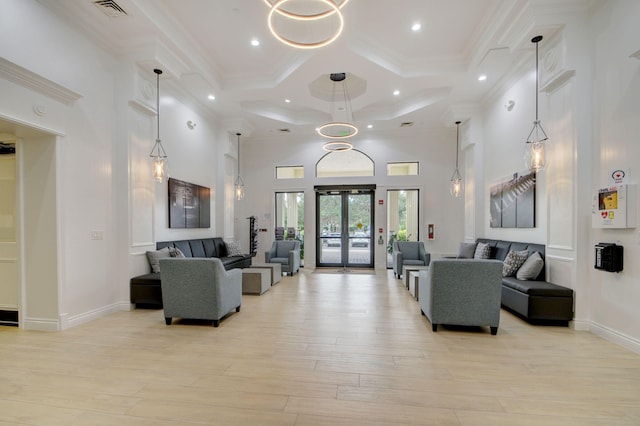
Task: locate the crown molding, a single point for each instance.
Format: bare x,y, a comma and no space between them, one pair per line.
33,81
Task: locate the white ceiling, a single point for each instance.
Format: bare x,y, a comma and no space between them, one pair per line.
204,47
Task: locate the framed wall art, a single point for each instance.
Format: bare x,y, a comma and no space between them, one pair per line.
513,202
189,205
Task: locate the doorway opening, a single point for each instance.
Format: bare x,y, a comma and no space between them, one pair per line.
290,218
402,218
344,221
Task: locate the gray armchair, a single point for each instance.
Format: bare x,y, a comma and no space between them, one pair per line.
462,292
199,288
409,253
286,253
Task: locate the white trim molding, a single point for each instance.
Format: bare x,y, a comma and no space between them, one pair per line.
31,80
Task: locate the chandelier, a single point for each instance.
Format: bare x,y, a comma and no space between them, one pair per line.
339,131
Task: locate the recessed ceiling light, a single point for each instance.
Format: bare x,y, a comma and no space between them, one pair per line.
369,126
255,42
416,27
482,77
396,92
211,97
287,100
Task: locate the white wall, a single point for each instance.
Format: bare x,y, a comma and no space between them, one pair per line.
86,173
613,298
434,148
589,107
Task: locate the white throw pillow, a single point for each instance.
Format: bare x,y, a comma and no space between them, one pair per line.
531,268
233,249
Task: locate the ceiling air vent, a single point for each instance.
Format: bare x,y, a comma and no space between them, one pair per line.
285,130
406,124
110,8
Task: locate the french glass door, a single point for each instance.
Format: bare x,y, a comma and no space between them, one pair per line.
344,227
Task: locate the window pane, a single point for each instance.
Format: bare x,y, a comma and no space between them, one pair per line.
402,169
289,172
344,164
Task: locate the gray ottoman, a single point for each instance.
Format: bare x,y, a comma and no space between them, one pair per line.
276,270
256,280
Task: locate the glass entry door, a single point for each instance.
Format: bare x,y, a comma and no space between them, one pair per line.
344,225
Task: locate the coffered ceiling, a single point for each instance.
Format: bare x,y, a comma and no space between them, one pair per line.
204,47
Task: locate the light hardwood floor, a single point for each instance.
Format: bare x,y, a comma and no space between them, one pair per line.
317,349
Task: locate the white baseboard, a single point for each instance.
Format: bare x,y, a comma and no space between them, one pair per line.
609,334
41,324
85,317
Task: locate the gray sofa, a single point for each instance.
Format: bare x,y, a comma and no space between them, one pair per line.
461,292
537,301
145,289
199,288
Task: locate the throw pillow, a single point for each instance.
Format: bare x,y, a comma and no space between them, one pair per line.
483,251
531,268
233,249
513,262
467,250
155,256
176,252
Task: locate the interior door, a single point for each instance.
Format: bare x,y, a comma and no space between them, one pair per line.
344,225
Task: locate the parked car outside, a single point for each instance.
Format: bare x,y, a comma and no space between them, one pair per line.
334,239
360,240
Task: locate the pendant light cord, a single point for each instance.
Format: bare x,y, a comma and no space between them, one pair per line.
537,42
457,142
158,72
238,135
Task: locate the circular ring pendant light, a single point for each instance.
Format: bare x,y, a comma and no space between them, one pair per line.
337,146
309,17
337,130
277,8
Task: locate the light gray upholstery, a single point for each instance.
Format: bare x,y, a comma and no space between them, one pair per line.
461,292
199,288
408,253
286,253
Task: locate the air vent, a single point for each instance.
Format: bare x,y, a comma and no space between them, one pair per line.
406,124
285,130
110,8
